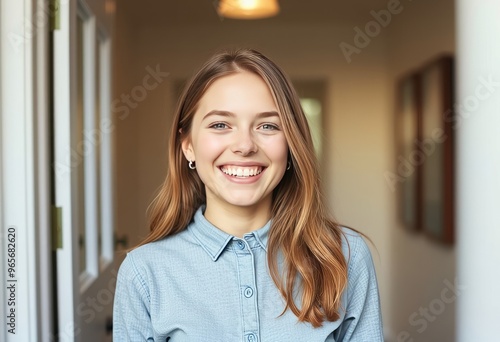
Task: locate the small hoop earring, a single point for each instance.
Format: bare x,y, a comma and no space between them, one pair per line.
288,165
192,165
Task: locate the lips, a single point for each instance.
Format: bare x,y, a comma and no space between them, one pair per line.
241,171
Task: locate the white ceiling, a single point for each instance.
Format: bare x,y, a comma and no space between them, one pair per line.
203,12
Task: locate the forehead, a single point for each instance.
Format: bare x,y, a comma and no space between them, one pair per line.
240,92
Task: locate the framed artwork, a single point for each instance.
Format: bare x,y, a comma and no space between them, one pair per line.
407,132
436,144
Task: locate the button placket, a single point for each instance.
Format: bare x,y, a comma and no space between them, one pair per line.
248,300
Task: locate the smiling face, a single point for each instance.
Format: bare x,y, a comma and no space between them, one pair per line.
238,144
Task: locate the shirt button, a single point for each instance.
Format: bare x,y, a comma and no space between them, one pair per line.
248,292
241,244
251,338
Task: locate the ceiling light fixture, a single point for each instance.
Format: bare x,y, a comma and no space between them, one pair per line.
248,9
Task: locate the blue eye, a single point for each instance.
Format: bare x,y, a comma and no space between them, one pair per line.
269,127
218,125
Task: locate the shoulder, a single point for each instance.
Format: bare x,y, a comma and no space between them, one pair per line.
362,279
362,320
356,250
146,258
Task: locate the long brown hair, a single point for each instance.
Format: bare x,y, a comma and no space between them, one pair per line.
302,231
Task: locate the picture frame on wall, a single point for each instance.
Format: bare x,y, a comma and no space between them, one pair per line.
437,145
408,125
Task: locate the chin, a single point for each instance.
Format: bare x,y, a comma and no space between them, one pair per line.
243,201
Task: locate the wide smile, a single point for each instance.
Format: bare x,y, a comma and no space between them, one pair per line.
238,171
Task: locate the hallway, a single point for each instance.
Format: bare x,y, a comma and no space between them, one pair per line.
349,62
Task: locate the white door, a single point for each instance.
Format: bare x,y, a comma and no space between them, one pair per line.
25,201
82,152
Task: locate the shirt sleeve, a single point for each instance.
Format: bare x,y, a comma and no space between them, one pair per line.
131,316
363,319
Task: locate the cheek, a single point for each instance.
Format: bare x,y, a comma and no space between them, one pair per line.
275,150
207,147
278,150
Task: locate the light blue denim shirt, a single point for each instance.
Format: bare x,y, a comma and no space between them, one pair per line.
203,285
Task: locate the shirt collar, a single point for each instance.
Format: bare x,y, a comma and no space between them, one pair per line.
214,241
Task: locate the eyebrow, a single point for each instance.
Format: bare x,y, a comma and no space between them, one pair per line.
231,114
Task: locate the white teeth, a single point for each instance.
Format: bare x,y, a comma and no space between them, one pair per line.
241,171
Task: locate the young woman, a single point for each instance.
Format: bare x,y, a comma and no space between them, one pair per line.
241,246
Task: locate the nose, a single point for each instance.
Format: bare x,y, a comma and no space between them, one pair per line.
244,143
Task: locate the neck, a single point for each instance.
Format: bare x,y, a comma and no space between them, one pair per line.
238,220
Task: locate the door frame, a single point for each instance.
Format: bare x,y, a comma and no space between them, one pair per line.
27,175
78,316
25,167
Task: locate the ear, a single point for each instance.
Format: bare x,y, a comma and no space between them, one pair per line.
187,149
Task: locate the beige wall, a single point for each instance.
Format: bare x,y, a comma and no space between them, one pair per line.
420,267
359,144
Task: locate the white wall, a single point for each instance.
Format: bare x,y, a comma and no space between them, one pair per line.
478,151
359,143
